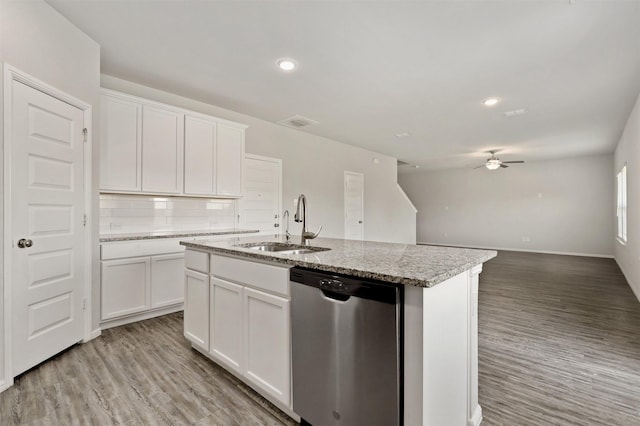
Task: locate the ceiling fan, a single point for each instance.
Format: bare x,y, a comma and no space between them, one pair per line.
494,162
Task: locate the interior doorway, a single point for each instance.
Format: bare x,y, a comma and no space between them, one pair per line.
353,206
261,204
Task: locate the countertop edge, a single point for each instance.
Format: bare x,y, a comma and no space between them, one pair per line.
347,271
124,237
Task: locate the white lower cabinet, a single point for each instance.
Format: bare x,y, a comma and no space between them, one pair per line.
126,287
248,320
196,308
267,343
140,280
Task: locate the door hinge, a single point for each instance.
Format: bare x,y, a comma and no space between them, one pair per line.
84,304
84,220
85,132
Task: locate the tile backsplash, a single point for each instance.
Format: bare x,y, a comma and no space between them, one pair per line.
120,214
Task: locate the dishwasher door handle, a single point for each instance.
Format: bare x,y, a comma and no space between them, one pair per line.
334,297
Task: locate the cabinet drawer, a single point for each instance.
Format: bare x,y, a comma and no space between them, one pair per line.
274,279
197,261
139,248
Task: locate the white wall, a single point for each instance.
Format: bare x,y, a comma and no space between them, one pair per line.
564,206
628,152
314,166
39,41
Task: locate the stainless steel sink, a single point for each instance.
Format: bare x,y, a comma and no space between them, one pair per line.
283,248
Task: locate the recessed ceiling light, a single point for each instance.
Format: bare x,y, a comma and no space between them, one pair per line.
490,101
286,64
403,134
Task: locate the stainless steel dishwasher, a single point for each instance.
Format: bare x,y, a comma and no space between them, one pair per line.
346,350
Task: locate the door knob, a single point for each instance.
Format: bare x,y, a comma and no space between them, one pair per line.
359,221
23,242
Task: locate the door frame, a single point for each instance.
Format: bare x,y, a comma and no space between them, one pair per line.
9,75
344,189
280,189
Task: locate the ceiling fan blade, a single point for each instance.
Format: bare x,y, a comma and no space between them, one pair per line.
503,166
513,161
479,167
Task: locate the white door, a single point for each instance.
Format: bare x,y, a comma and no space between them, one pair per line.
47,208
261,205
353,206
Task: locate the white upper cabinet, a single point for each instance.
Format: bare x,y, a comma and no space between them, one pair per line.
199,156
229,159
120,144
154,148
162,150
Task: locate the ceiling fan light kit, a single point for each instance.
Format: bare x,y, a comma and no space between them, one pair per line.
494,163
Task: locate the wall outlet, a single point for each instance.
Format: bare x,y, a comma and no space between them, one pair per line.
446,235
526,239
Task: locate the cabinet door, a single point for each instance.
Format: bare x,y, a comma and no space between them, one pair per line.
196,308
162,150
199,156
267,343
125,287
226,323
120,144
229,157
167,275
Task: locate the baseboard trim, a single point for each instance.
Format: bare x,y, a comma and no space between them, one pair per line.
562,253
95,333
6,384
626,277
476,419
140,317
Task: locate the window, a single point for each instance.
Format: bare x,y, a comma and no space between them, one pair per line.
621,204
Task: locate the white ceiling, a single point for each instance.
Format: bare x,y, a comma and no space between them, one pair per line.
370,70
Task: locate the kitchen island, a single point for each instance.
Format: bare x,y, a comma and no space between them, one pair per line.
237,313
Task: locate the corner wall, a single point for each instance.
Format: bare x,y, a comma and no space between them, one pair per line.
628,152
39,41
560,206
315,166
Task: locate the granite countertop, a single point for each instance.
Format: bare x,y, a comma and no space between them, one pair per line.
105,238
418,265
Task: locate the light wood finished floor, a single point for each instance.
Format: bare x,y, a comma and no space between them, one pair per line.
559,344
138,374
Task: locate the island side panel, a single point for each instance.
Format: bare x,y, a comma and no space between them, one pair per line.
445,352
474,411
413,342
